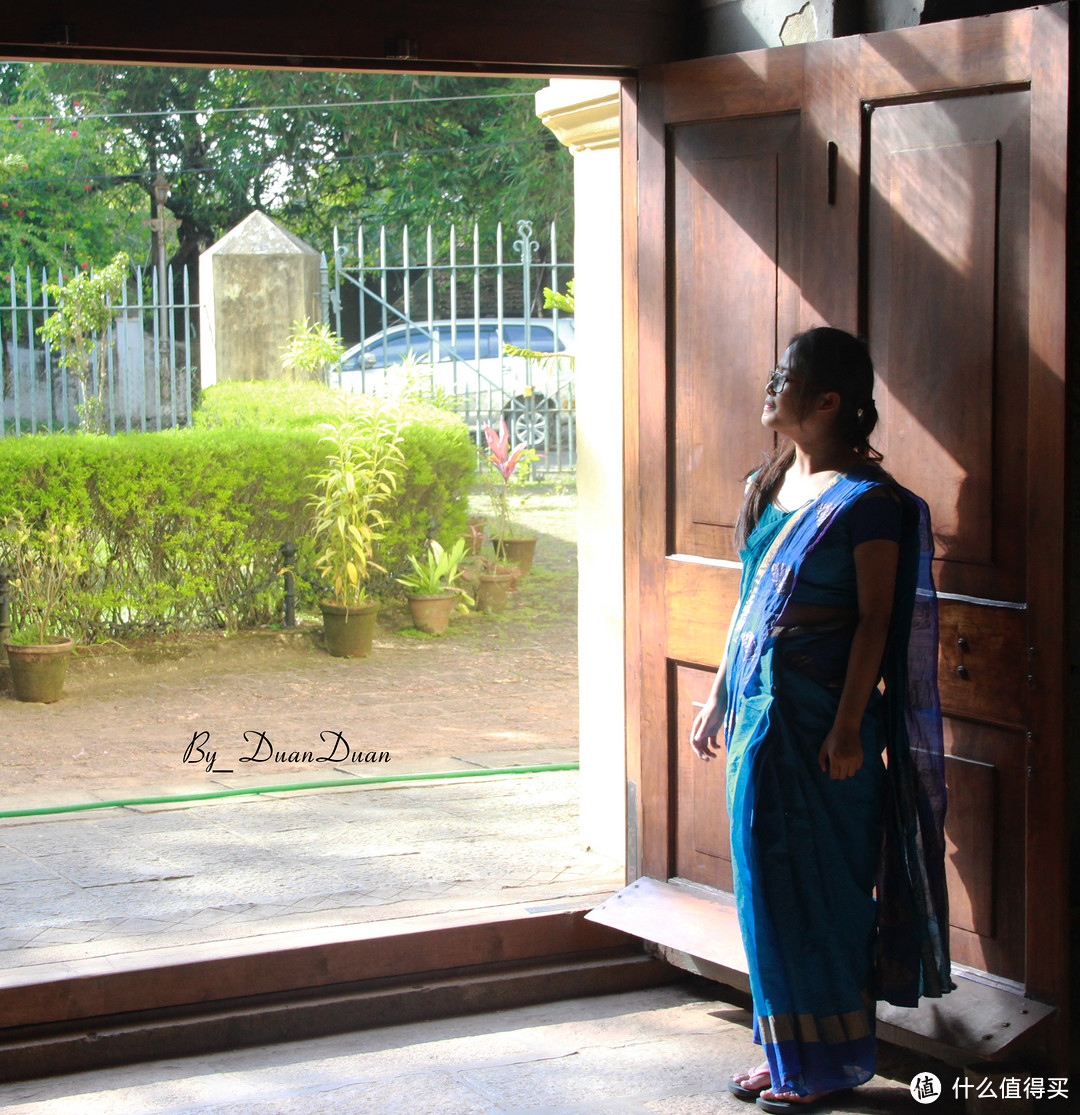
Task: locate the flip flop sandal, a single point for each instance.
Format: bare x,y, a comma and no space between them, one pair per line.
740,1091
786,1107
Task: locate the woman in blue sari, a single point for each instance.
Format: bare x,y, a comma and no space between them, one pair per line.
835,782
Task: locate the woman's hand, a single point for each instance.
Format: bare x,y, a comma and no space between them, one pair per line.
707,727
841,754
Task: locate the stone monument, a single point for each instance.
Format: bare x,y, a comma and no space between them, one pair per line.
255,284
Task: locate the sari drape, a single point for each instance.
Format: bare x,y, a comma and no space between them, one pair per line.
807,850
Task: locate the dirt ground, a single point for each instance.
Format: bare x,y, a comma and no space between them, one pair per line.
493,684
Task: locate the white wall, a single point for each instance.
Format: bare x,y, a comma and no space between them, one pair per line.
584,115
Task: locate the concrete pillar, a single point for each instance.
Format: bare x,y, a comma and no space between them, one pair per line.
255,284
584,115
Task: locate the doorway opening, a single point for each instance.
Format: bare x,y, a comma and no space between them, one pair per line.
180,726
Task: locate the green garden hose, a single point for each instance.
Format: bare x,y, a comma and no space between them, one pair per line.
338,783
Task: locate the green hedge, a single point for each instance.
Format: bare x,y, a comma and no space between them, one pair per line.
289,406
184,527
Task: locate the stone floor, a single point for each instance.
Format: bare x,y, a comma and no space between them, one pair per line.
81,885
665,1051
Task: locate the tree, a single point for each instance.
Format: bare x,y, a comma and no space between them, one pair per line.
62,204
77,327
310,149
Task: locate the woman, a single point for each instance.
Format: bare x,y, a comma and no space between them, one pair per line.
836,596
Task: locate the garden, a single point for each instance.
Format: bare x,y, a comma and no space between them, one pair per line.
160,554
130,820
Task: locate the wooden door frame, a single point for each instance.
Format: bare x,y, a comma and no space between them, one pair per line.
676,93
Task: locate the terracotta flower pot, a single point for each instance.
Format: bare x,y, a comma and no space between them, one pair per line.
519,551
38,671
511,570
349,630
493,590
431,614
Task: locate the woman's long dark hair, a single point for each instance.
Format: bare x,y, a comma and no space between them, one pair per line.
825,359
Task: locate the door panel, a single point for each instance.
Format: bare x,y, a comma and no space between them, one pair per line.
984,860
947,300
735,274
972,790
703,838
701,596
947,297
983,663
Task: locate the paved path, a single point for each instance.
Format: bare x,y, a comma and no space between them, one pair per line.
92,884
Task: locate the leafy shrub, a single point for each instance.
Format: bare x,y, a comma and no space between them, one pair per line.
275,403
185,526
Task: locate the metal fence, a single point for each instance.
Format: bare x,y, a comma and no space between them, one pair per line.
433,312
145,372
438,310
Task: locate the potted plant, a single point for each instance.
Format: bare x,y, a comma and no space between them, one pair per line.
494,582
43,565
363,467
504,462
432,593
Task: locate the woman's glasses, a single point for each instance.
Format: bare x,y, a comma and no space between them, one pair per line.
778,380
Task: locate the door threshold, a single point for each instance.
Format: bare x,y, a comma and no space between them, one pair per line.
696,928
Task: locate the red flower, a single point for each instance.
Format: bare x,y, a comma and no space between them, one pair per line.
21,213
74,132
499,445
19,125
4,204
84,266
87,187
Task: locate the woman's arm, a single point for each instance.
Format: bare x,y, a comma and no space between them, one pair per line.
875,577
710,717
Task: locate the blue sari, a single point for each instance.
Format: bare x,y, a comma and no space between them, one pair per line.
807,850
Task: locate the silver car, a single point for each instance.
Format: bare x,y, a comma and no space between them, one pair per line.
464,361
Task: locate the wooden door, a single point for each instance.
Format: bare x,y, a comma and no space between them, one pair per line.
910,186
948,248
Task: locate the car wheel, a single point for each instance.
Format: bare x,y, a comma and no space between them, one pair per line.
529,421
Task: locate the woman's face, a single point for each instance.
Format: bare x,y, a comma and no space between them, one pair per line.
781,411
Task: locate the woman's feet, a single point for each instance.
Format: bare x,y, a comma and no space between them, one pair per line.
750,1084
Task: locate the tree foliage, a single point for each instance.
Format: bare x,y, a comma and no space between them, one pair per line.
84,308
65,201
312,150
